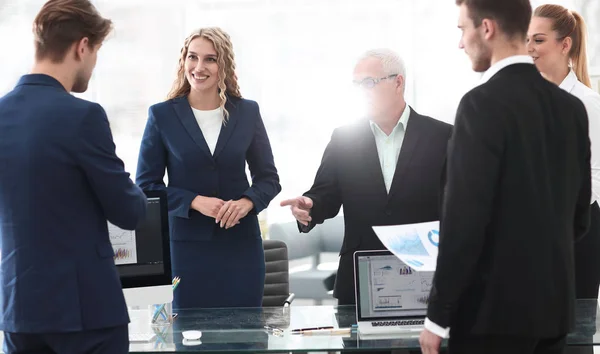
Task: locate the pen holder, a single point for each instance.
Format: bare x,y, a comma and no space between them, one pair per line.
161,314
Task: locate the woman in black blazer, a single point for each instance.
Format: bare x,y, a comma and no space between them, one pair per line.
204,135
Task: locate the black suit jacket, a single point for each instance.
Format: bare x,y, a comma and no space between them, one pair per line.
350,175
517,195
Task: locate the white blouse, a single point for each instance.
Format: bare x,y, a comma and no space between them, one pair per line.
591,101
210,123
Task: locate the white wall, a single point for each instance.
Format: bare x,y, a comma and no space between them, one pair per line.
294,57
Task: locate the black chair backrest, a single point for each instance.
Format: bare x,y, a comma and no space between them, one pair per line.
277,277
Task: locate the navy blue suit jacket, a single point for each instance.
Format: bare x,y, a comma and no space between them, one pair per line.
60,180
173,140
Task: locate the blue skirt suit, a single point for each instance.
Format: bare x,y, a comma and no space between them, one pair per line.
217,267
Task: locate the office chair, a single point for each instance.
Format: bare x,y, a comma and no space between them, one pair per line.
277,276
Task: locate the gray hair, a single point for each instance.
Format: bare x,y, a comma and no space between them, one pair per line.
392,62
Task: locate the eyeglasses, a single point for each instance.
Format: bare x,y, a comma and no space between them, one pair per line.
369,82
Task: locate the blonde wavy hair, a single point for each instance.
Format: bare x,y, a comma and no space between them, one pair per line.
228,82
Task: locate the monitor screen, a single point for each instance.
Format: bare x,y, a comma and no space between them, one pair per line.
389,288
143,256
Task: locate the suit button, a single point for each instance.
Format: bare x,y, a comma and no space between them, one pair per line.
212,167
388,212
214,193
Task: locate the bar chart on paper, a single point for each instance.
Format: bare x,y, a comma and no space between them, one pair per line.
123,243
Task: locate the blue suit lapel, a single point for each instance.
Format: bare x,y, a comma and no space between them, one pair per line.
186,116
228,128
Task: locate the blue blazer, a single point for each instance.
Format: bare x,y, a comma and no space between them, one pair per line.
60,180
174,141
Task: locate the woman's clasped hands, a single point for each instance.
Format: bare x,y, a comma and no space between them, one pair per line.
227,214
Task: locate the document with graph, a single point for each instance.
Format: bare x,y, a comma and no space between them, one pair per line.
123,243
395,286
415,244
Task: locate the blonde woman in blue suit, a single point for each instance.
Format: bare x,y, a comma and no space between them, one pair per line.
203,136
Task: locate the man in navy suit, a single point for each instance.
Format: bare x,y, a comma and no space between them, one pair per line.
60,180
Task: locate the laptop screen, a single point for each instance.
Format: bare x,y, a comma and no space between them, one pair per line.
388,288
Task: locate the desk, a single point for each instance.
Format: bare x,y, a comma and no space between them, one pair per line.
242,330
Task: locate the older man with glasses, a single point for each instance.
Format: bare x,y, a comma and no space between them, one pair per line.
385,169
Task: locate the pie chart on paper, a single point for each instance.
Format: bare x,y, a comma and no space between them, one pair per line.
434,237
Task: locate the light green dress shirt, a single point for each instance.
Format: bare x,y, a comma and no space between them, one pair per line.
388,146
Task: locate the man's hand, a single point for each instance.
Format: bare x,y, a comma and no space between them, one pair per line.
300,208
232,211
207,206
430,343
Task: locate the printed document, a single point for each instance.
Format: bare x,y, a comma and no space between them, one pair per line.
415,244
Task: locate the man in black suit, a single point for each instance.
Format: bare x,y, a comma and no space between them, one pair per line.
516,197
384,170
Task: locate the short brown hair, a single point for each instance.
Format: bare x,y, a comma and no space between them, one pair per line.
60,23
512,16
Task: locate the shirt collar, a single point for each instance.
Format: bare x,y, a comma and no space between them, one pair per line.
40,79
501,64
403,121
569,82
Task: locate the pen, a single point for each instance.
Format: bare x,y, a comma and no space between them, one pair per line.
301,330
160,310
328,331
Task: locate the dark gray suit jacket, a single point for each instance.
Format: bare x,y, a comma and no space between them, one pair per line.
350,175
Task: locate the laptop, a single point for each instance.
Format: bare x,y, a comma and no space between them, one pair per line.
391,297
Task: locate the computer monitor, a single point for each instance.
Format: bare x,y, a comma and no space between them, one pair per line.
143,256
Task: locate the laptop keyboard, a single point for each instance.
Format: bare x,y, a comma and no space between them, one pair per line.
398,323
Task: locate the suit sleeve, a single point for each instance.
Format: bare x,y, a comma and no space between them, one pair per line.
123,203
152,162
473,166
443,176
325,191
582,209
265,180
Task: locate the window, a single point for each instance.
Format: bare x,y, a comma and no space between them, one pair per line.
294,57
